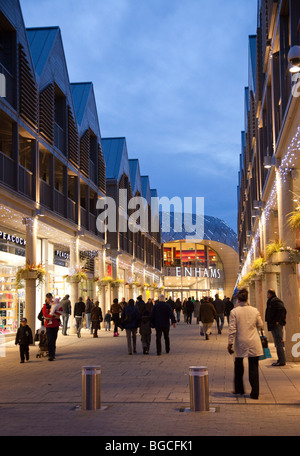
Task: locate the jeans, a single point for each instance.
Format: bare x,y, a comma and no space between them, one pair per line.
52,336
277,334
253,376
65,319
24,352
78,324
189,317
107,326
88,320
129,333
165,332
178,315
220,317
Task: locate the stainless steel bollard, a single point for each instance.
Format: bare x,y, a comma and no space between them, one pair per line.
199,391
91,387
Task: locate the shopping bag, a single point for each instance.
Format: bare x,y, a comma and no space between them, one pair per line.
265,346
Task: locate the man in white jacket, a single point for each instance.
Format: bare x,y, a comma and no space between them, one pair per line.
244,323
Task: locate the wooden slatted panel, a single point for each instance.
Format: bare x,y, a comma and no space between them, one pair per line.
85,153
28,93
47,113
73,140
101,171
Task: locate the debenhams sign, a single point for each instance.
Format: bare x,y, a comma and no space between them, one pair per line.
198,272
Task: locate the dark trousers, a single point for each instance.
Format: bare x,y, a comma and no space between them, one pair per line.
52,336
189,317
159,333
253,376
24,352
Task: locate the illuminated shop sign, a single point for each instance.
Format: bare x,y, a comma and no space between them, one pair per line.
12,238
61,254
198,272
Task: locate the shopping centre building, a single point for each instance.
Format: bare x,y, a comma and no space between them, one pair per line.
52,176
200,267
269,177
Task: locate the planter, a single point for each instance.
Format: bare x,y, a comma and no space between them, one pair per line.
272,268
29,275
73,280
285,257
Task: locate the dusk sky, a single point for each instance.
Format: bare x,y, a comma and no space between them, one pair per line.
169,75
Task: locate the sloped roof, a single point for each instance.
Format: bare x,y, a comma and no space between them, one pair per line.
85,107
146,188
135,176
41,41
116,157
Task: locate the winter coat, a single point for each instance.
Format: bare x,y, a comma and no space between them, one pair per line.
66,305
190,306
275,313
79,309
219,306
161,315
207,312
130,317
96,317
115,308
50,320
24,336
244,323
145,328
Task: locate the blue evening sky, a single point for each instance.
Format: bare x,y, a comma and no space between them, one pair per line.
169,75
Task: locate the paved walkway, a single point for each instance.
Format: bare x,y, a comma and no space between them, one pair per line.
143,395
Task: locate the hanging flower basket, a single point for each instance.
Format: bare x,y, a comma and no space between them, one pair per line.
31,272
105,281
76,278
116,283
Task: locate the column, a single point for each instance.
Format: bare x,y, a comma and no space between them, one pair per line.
288,277
74,286
30,287
100,272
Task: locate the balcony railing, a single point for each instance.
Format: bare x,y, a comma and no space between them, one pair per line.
25,181
45,194
7,174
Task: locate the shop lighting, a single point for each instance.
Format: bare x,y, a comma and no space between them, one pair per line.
294,59
271,161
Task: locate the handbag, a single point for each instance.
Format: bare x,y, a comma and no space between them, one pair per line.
265,346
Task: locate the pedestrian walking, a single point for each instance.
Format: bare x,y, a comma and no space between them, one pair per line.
107,320
115,311
207,315
145,332
178,308
196,309
161,316
275,317
24,338
228,308
79,310
88,312
189,310
130,319
66,307
220,308
52,322
244,323
96,318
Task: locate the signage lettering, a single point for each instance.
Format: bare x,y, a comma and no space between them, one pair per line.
12,238
198,272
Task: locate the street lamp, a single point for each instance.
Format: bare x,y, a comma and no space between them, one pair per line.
294,59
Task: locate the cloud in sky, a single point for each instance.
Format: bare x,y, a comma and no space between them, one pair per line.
170,76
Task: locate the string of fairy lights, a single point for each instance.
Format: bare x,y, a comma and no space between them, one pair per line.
287,164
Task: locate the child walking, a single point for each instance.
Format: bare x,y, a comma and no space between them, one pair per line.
24,339
107,320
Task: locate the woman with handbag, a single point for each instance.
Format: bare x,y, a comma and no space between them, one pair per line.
244,323
96,317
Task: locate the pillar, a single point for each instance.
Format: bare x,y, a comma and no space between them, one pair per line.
74,286
288,276
30,287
